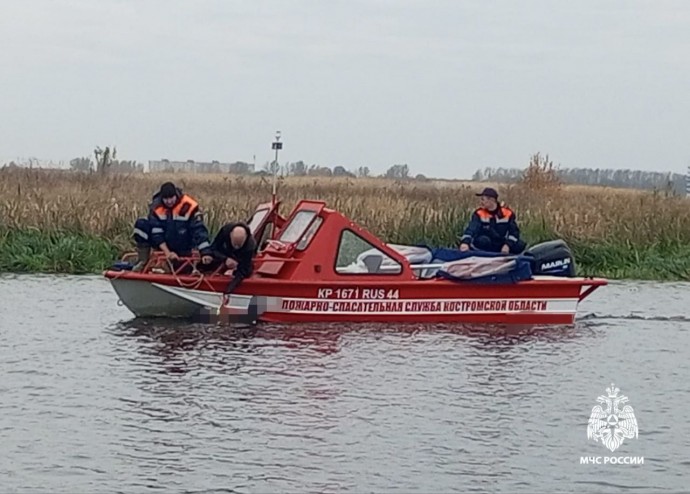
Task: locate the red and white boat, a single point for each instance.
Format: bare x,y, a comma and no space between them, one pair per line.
317,265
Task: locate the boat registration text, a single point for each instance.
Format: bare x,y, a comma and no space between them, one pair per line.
358,293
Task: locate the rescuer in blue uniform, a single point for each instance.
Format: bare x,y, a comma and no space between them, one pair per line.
174,225
492,228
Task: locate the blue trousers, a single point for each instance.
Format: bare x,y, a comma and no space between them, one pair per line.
482,242
142,237
142,233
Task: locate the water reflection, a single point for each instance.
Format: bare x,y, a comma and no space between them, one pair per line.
172,337
176,347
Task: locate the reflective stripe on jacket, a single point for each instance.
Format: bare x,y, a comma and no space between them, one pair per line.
182,228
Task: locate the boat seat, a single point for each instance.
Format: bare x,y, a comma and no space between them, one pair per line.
373,262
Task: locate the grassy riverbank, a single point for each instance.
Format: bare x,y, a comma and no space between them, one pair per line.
66,222
34,251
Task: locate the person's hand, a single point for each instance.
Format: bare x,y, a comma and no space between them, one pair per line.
464,247
171,256
230,263
505,249
206,260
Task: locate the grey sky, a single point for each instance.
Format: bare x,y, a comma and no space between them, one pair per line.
444,86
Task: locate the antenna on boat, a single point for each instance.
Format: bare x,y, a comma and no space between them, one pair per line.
277,145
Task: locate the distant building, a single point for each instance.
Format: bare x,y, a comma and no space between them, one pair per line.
192,166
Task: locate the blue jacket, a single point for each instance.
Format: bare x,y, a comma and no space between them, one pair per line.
500,226
182,227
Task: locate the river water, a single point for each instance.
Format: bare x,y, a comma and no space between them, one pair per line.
93,400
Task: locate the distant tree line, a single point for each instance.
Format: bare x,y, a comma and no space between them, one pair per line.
635,179
86,164
301,169
632,179
105,162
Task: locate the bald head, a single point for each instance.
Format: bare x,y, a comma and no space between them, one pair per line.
238,236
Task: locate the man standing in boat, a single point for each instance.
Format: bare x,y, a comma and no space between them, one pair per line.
234,247
174,225
492,228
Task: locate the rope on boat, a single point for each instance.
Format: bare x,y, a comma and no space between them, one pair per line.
120,273
190,286
195,284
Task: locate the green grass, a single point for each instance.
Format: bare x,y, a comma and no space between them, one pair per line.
34,251
620,261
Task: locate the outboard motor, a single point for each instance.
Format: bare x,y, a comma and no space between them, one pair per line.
552,258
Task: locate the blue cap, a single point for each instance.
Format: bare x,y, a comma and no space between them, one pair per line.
489,192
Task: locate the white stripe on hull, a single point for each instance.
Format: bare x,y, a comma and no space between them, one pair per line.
423,306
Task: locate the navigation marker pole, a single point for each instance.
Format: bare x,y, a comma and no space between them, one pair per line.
277,145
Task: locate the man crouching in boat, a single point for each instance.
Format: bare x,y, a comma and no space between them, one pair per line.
492,228
234,247
174,225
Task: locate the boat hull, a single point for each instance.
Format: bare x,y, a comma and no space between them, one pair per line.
150,299
545,300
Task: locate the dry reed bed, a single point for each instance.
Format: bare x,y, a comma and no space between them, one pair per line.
397,211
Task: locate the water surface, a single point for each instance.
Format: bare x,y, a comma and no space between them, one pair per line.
96,401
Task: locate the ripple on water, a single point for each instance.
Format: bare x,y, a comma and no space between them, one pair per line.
93,400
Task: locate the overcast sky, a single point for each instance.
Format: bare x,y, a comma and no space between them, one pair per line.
444,86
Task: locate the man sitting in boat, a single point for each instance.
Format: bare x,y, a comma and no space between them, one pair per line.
174,225
492,228
235,247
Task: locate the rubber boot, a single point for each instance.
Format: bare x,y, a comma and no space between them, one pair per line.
143,254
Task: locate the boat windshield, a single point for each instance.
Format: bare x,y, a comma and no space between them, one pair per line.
257,218
306,238
294,230
358,256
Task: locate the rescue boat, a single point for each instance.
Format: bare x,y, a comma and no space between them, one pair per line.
317,265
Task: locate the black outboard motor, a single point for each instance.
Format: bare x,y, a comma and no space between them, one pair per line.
552,258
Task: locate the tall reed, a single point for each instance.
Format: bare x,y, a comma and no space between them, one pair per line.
613,231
